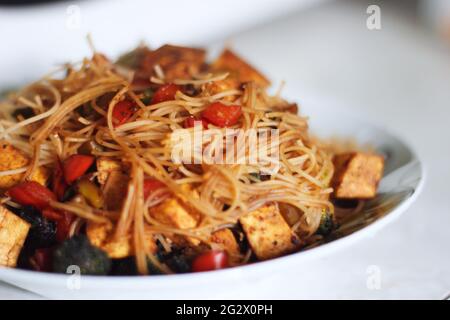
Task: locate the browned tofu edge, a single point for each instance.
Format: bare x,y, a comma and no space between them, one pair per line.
268,233
13,232
352,180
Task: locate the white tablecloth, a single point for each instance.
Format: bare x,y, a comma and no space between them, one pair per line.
398,76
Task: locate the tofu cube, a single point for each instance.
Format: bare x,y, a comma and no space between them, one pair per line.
239,69
357,175
102,236
115,190
176,62
226,240
215,87
12,158
170,212
268,233
104,167
13,232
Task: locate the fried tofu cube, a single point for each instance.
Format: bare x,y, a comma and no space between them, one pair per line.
239,69
176,62
104,167
12,158
216,87
226,240
268,233
357,175
115,190
170,212
13,232
101,235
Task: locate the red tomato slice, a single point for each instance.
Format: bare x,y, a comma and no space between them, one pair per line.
151,185
165,93
123,111
189,122
222,115
31,193
76,165
211,260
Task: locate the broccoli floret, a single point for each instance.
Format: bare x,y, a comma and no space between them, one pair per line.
326,224
80,252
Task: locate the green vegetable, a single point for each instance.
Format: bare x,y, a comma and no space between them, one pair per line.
326,224
147,96
80,252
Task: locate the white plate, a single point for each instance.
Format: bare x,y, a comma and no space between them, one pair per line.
402,182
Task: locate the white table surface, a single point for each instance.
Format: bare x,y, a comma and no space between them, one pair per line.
400,77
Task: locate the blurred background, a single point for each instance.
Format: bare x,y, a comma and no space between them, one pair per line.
388,61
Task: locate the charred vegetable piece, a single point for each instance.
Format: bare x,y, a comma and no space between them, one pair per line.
165,93
63,221
79,251
42,260
13,232
222,115
76,165
42,233
147,96
31,193
326,224
23,113
124,267
91,193
211,260
123,111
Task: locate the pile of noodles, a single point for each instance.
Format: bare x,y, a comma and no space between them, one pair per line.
57,131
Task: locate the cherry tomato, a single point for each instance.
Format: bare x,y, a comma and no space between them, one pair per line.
42,259
59,184
31,193
63,221
222,115
123,111
165,93
76,165
189,122
211,260
151,185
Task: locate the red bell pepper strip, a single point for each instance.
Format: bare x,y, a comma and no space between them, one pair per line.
222,115
123,111
31,193
76,165
151,185
165,93
189,122
59,184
